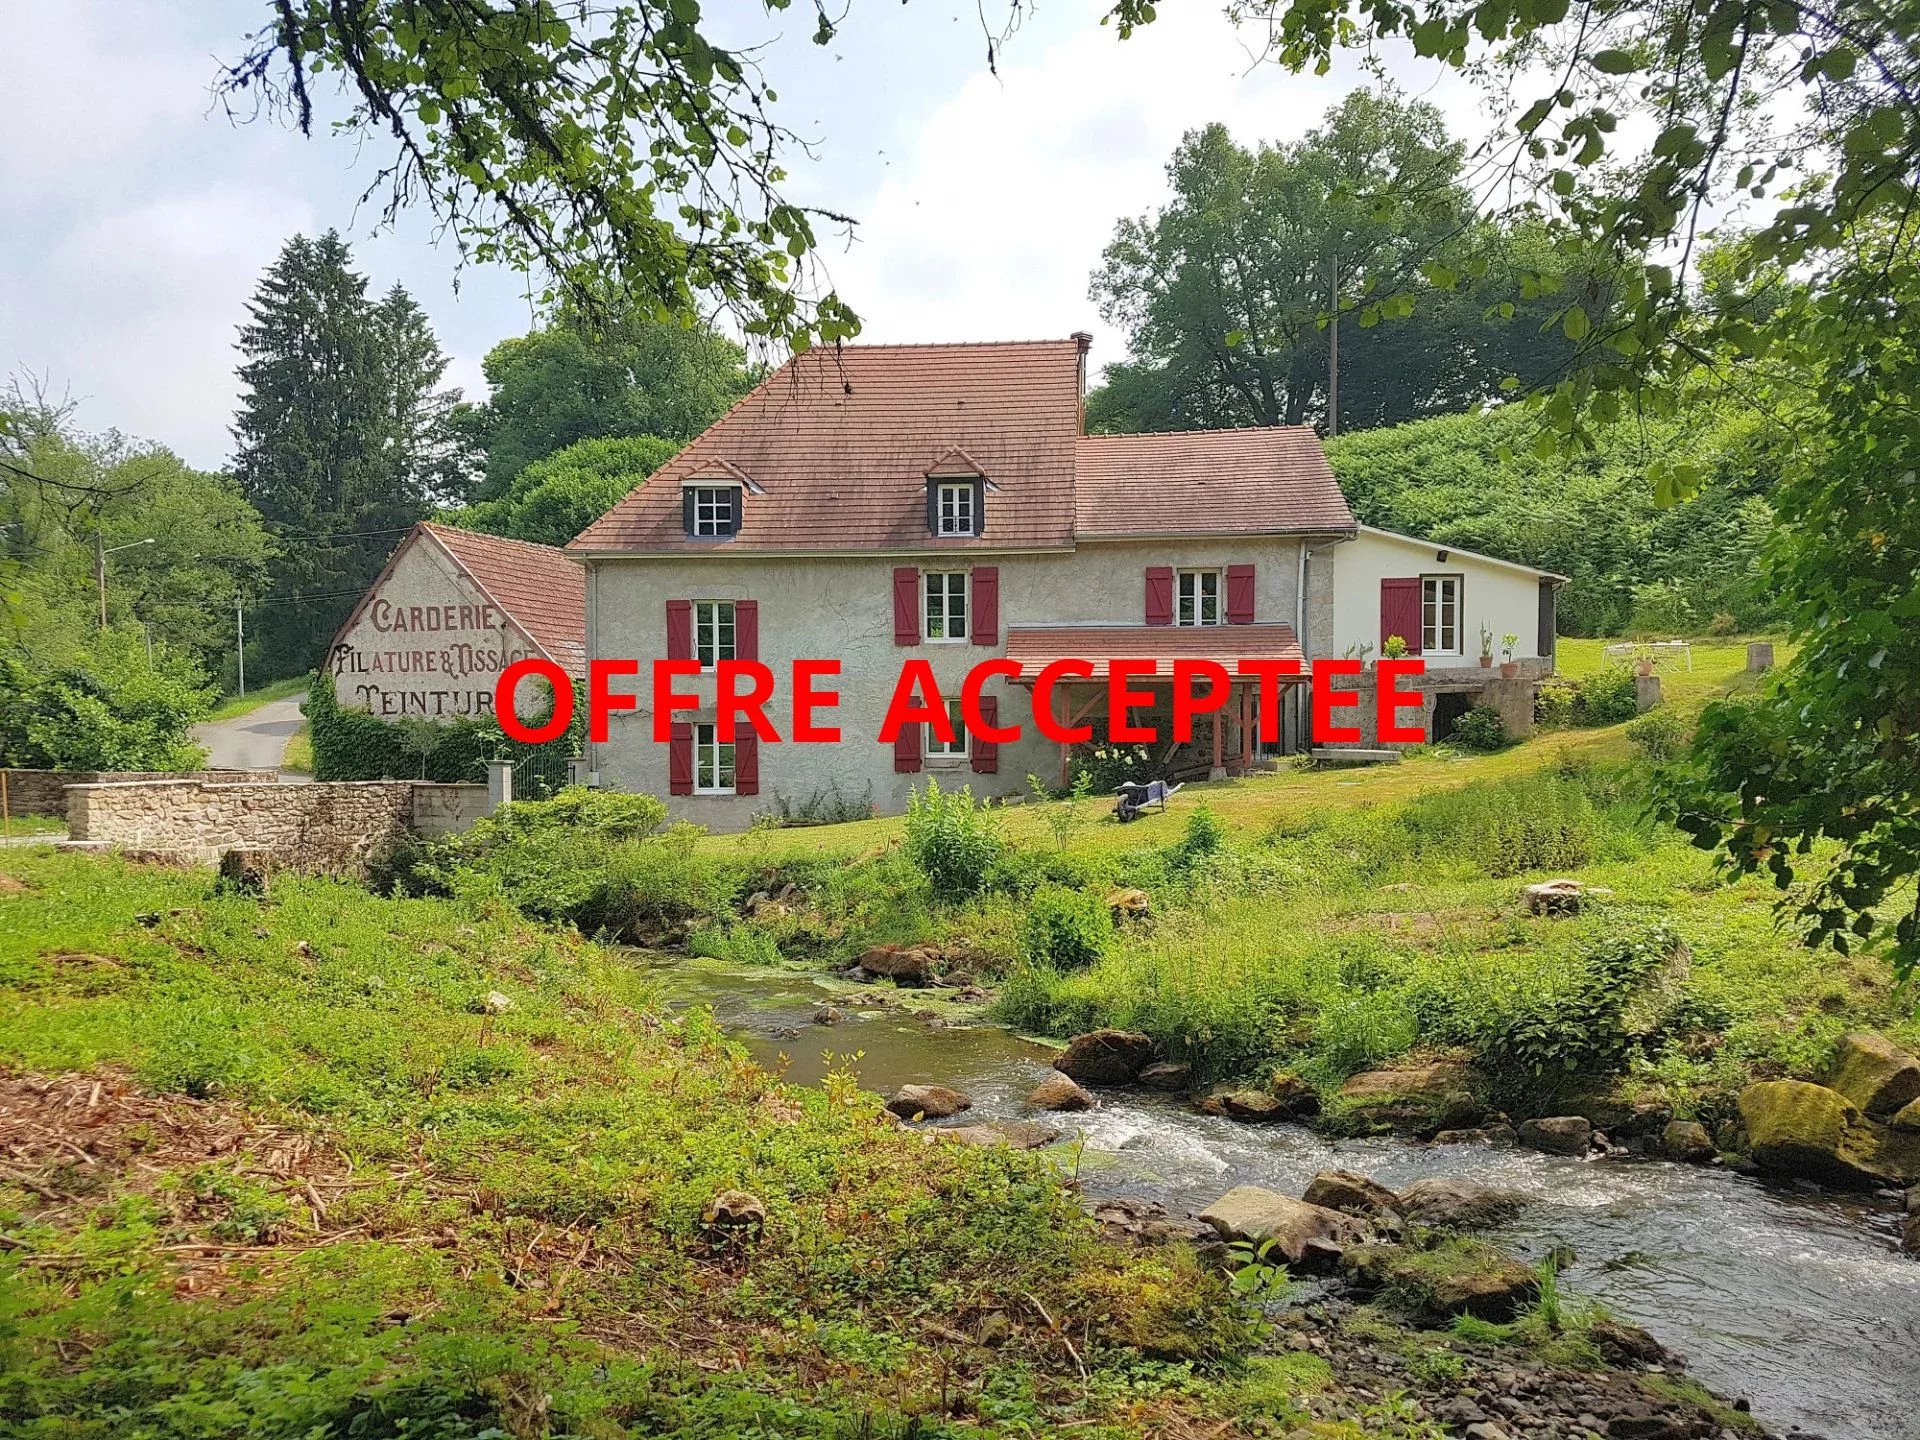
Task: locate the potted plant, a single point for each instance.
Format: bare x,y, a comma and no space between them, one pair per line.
1643,663
1395,648
1508,669
1486,647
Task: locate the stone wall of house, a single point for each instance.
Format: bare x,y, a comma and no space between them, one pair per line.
44,792
337,827
446,809
1512,697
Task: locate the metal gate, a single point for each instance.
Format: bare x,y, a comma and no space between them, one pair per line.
539,771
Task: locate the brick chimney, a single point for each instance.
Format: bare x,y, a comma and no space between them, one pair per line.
1084,339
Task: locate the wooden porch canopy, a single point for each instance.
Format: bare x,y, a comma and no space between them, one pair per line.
1037,647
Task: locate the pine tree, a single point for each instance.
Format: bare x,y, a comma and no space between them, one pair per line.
339,441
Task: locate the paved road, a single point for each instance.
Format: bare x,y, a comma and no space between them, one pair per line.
254,741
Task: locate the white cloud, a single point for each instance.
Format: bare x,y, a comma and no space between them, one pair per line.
148,301
991,224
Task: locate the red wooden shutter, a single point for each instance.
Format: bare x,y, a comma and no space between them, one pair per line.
986,604
1239,594
1400,612
906,750
680,758
986,753
746,761
1159,595
746,629
906,607
679,629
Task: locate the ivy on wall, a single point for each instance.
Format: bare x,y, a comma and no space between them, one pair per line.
355,745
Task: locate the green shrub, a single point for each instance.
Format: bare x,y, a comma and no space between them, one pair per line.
111,707
1584,1031
1481,728
1065,929
609,814
1105,764
1660,734
1555,704
1605,697
1204,837
952,839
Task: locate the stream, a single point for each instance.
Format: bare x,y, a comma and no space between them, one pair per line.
1796,1299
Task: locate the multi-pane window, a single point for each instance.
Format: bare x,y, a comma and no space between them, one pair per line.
945,610
1440,614
712,632
954,507
712,762
713,510
938,749
1197,599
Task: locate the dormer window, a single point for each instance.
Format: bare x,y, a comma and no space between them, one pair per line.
954,507
956,496
711,511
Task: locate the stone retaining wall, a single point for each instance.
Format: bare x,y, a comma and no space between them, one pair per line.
337,826
1513,698
44,792
444,809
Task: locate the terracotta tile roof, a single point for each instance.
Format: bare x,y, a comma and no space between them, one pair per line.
542,591
1039,646
840,442
1206,482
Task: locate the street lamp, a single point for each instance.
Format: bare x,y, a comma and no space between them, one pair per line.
100,553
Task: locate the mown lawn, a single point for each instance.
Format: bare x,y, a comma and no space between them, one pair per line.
340,1165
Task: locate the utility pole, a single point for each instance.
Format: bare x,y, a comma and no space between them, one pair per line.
100,553
240,642
1333,351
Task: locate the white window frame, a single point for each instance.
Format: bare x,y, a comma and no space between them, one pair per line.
1189,592
711,620
713,762
713,507
1440,594
938,749
949,591
953,507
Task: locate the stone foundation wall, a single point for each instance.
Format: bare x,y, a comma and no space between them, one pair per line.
337,827
445,809
44,792
1513,698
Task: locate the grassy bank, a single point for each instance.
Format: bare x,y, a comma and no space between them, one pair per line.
234,706
337,1165
1319,922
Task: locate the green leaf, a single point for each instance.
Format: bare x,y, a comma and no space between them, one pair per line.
1575,324
1614,62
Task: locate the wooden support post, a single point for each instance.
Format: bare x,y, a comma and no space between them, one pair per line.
1219,771
1246,730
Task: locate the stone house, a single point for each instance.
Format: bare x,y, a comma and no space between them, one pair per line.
451,610
872,504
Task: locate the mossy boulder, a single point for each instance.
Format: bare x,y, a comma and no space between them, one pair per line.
1298,1230
1875,1074
1799,1128
1106,1057
1456,1277
1417,1099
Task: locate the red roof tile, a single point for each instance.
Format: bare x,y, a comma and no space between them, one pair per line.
840,442
1040,646
539,588
1207,482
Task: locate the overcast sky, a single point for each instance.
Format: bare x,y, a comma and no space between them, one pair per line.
137,217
